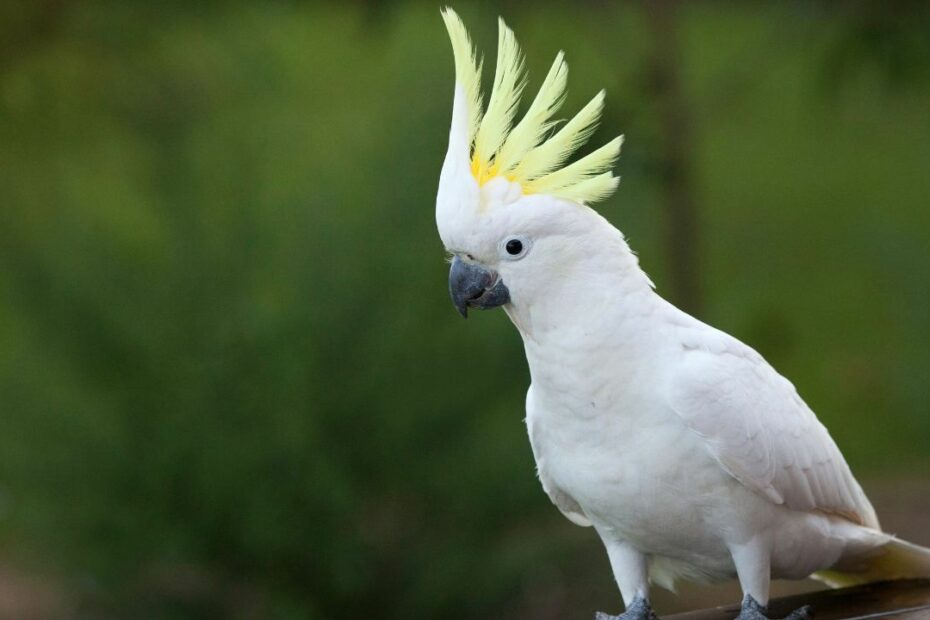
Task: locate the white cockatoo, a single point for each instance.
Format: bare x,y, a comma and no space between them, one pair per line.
690,456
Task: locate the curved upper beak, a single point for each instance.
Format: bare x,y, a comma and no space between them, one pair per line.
471,285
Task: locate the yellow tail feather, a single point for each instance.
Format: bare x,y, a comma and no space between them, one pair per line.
897,559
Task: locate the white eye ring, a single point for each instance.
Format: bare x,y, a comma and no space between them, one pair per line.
514,247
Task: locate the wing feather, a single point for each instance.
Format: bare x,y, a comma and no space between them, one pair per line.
762,433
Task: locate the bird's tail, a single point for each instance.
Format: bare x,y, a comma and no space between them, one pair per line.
895,559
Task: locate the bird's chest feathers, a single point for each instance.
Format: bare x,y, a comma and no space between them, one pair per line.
582,439
601,435
588,428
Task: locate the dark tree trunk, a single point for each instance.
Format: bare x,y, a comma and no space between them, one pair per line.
675,134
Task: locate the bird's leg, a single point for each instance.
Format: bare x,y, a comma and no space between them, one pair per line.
629,566
639,609
751,610
753,567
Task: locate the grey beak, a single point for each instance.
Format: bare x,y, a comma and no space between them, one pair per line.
471,285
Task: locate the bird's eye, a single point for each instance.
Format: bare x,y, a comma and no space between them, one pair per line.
515,247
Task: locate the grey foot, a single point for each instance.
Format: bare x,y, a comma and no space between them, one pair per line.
751,610
639,609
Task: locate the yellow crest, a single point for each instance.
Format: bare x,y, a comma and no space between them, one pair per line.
529,153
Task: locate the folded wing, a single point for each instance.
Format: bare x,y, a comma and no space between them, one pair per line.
761,432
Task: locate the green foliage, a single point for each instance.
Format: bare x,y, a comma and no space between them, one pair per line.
225,341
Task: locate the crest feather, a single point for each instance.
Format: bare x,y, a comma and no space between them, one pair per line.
593,164
549,155
467,68
524,154
534,125
509,82
590,190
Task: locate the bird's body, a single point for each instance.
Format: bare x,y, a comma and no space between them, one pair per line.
686,451
613,451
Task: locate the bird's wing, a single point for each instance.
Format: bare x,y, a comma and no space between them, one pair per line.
762,433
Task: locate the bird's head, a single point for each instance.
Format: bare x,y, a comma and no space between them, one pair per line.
511,213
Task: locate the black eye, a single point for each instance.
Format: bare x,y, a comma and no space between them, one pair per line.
514,247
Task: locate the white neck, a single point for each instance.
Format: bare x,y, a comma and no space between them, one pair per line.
604,291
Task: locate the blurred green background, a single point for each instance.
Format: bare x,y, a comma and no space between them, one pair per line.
232,384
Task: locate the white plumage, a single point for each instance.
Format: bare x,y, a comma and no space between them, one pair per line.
686,451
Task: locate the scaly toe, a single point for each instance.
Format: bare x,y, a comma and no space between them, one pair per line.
751,610
802,613
639,609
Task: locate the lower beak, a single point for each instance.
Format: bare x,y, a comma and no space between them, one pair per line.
473,286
